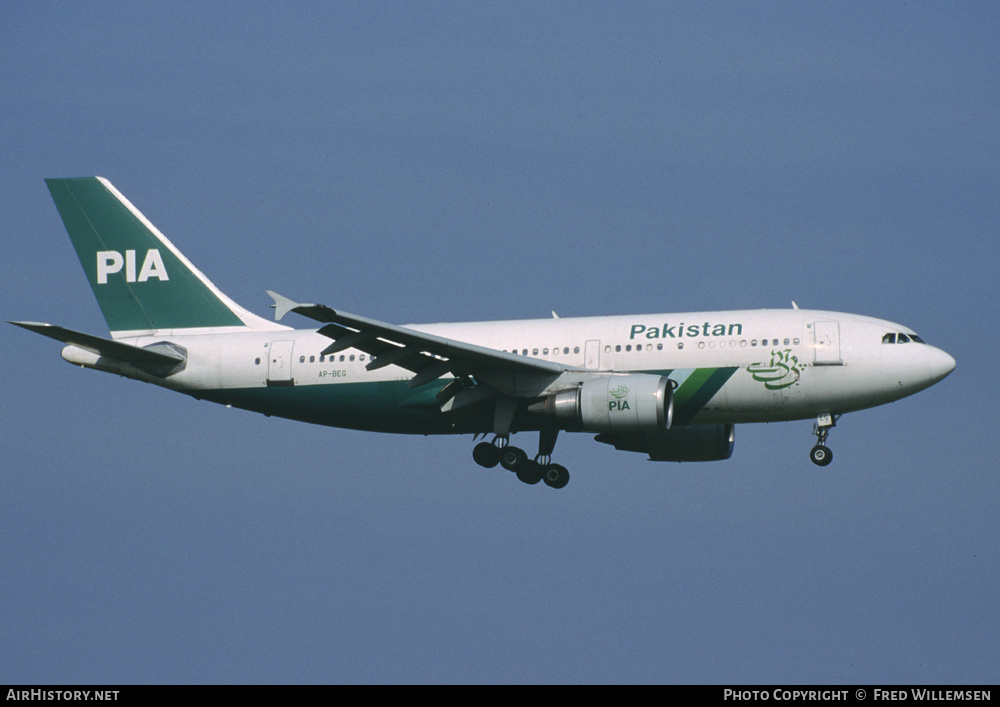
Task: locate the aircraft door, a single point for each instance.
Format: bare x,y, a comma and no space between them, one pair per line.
827,336
279,363
592,355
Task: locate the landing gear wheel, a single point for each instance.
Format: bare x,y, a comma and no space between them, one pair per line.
486,454
530,473
821,455
556,476
512,458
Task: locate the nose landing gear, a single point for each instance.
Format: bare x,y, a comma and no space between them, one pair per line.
821,455
528,471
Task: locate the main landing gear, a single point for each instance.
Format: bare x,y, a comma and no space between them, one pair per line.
529,471
821,455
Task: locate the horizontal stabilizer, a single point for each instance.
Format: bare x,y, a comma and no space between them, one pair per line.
105,347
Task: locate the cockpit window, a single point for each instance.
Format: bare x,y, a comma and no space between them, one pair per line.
901,338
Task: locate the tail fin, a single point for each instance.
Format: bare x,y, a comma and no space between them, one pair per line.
142,283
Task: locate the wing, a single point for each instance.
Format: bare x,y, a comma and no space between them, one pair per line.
427,356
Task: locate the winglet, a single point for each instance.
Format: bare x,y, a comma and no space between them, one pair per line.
282,305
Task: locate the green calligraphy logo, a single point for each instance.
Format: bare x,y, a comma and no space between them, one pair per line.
619,392
783,370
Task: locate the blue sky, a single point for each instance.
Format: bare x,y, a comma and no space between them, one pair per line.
420,162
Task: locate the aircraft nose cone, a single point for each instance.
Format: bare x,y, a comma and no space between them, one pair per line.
941,363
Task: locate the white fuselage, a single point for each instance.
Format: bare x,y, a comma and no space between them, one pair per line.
740,365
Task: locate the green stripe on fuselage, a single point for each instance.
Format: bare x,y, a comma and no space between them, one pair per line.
691,386
696,388
700,387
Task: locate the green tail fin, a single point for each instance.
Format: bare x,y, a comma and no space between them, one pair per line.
142,283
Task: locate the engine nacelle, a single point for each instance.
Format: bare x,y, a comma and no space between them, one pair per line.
694,443
615,404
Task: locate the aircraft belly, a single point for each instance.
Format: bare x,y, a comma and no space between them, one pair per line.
372,406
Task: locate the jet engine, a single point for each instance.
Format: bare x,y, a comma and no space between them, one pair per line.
614,404
693,443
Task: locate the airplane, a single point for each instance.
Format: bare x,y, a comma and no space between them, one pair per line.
671,386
